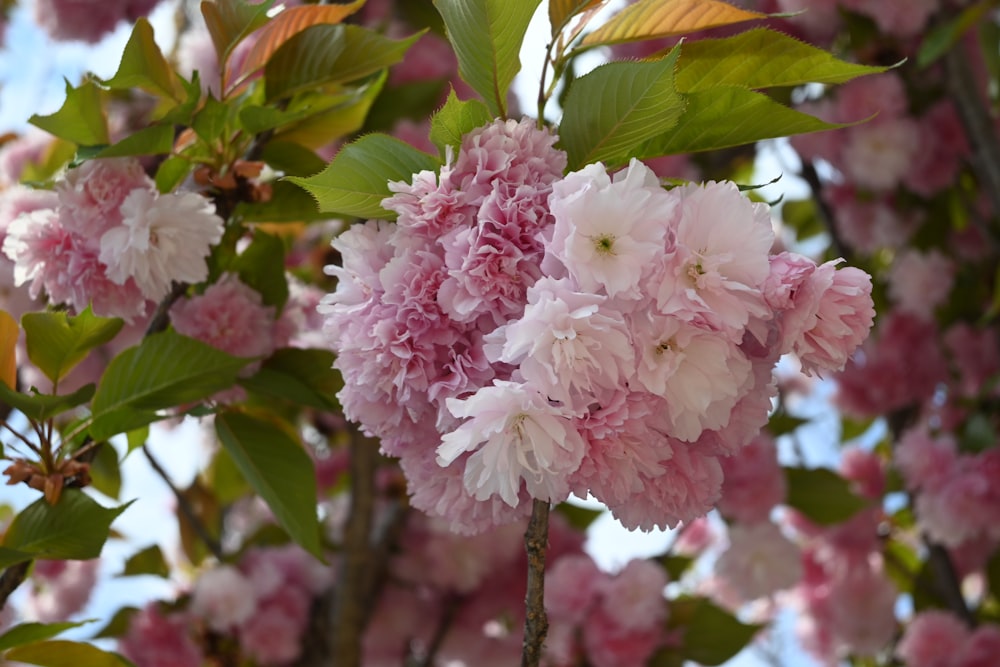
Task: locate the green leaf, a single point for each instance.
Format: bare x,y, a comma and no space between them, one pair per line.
152,140
760,58
293,159
26,633
57,342
357,180
945,35
456,119
210,121
75,528
225,479
802,216
279,469
729,116
822,495
288,203
578,517
118,625
299,375
148,561
676,566
414,100
615,109
325,54
105,472
345,118
121,420
80,119
781,423
230,21
172,173
143,66
10,557
62,653
561,11
710,635
45,406
164,371
262,266
487,37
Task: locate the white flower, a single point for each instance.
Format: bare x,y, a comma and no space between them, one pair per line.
607,233
161,240
516,434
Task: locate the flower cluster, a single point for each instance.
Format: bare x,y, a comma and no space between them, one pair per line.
88,21
109,239
535,334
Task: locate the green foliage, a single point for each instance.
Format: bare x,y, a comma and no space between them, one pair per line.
80,119
231,21
676,566
710,635
651,19
143,66
57,342
562,11
615,109
325,54
40,406
760,58
821,495
781,423
147,561
456,119
278,469
305,377
577,517
334,117
152,140
62,653
172,172
487,37
357,180
262,267
75,528
138,382
27,633
803,217
105,471
945,35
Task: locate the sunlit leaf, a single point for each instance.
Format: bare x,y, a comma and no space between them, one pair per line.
9,333
147,561
152,140
650,19
27,633
44,406
357,180
57,341
760,58
62,653
290,22
230,21
456,119
320,129
279,469
560,11
613,110
487,37
80,119
143,66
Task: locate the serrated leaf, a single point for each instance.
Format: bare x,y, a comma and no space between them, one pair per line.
262,266
9,333
616,108
326,54
152,140
27,633
229,22
62,653
57,342
279,469
414,100
75,528
456,119
80,119
320,129
147,561
286,25
143,66
760,58
45,406
710,635
651,19
561,11
729,116
172,172
487,37
822,495
304,376
357,179
164,371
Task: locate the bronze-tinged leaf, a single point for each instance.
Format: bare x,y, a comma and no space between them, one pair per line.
561,11
650,19
9,332
286,25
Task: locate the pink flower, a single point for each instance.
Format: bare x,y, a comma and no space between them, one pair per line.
161,240
572,585
982,648
878,154
607,644
882,95
753,482
91,195
517,436
429,207
60,588
901,18
273,635
567,345
933,639
760,560
634,597
223,597
229,316
155,640
920,282
85,20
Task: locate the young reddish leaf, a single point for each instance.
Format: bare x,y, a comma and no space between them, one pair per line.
650,19
8,341
286,25
560,11
230,21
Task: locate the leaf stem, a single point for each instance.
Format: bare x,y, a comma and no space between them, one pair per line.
536,623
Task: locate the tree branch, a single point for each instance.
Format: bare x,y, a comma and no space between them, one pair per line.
948,585
536,623
11,578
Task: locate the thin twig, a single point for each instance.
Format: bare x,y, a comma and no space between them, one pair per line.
948,584
350,609
11,578
449,613
185,507
160,318
536,623
826,214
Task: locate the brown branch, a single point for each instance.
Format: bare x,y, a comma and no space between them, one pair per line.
536,623
949,587
826,214
449,613
11,578
352,603
185,507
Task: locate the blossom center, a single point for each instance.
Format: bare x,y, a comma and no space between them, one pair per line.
604,244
